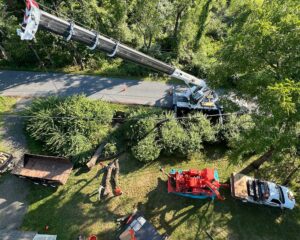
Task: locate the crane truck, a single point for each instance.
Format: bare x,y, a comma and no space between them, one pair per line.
197,96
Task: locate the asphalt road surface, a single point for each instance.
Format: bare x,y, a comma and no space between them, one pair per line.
128,91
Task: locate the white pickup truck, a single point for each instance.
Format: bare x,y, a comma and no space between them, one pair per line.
252,190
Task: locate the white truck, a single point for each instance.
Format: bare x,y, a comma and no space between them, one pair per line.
249,189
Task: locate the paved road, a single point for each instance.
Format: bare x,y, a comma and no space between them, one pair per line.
30,84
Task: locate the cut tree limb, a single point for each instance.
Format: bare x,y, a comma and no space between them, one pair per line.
108,188
117,172
96,155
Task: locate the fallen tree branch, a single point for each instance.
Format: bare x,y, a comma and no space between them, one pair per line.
117,172
111,157
108,188
95,157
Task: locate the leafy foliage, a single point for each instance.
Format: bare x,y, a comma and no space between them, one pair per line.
147,149
184,32
174,137
110,149
260,62
235,126
69,126
165,135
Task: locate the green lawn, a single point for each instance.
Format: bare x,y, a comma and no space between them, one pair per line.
6,106
73,209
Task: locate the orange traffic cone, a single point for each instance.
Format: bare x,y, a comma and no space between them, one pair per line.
124,88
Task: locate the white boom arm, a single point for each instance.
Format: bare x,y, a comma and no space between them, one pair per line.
35,18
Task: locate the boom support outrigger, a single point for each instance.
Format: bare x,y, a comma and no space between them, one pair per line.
197,97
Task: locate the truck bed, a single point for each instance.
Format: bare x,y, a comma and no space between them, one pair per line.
52,169
238,184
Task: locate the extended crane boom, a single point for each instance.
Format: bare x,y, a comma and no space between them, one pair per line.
197,95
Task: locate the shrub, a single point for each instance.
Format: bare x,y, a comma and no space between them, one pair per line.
70,126
185,137
198,124
139,129
147,149
194,144
174,137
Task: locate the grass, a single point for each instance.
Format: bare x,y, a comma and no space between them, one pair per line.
6,106
73,209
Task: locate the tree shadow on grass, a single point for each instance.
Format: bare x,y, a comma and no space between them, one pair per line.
251,221
68,215
169,212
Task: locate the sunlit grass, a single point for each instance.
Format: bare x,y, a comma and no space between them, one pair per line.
6,106
73,209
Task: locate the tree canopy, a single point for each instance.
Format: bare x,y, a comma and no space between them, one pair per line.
250,47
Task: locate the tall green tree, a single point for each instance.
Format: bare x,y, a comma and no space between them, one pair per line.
260,61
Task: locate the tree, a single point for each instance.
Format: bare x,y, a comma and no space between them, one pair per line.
173,137
148,21
260,61
147,149
70,126
235,126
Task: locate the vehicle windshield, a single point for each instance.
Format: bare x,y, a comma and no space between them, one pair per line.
280,193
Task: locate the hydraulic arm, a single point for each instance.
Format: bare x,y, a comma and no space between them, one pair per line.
35,18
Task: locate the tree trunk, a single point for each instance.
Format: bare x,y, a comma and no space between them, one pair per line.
108,188
3,52
117,172
42,65
178,17
96,155
148,45
290,176
257,163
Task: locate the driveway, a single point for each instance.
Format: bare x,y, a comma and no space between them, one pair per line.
13,191
127,91
13,206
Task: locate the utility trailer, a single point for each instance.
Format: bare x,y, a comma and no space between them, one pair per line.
249,189
47,170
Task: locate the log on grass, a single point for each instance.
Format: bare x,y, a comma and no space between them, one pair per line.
108,188
117,172
96,155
